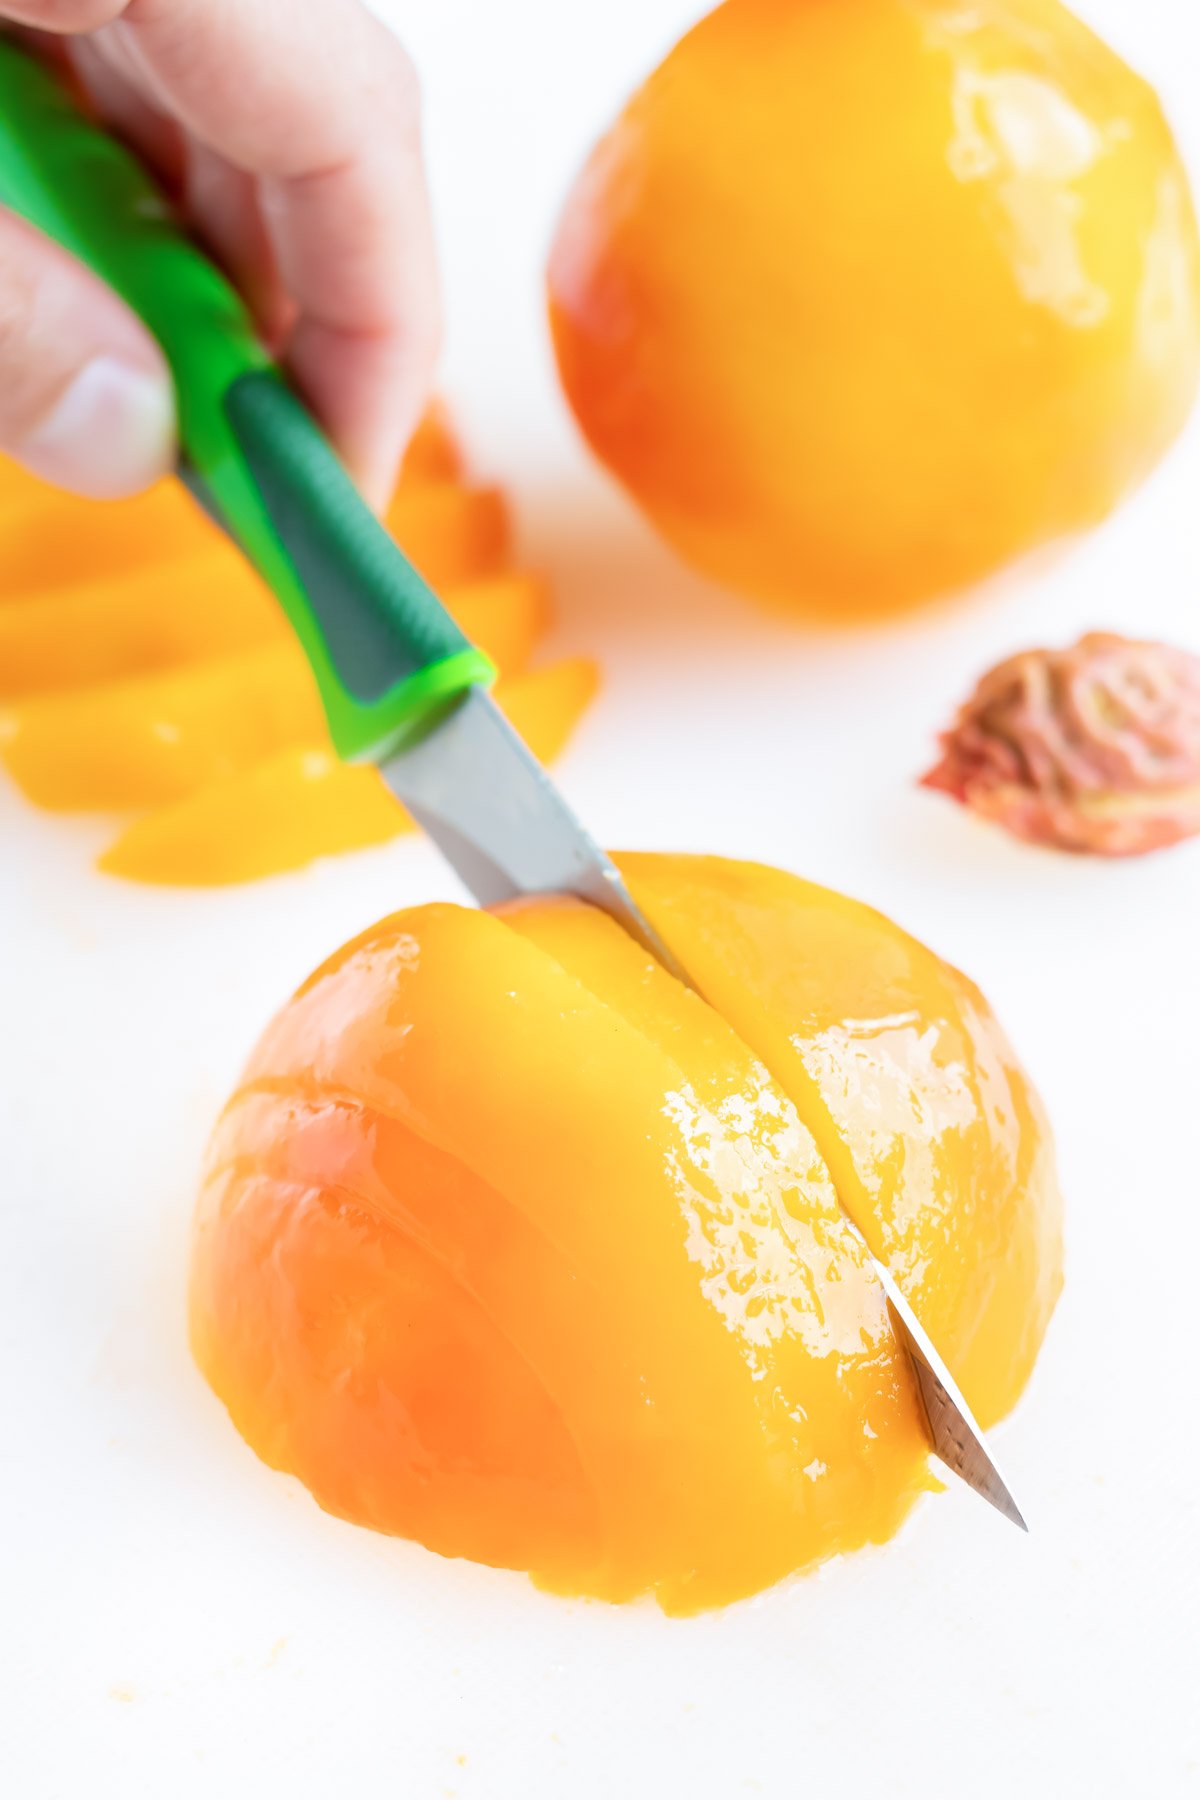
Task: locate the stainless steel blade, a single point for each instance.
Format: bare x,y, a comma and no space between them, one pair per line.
493,812
482,796
957,1438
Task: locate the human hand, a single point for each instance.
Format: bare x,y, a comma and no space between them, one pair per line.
289,135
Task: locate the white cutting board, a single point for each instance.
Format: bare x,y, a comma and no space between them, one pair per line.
177,1620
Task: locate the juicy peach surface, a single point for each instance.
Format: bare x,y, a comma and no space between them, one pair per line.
510,1243
862,298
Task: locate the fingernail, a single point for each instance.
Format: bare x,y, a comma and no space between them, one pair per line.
111,431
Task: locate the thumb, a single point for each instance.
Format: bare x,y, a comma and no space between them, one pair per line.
85,396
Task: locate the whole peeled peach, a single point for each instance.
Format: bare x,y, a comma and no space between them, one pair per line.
862,298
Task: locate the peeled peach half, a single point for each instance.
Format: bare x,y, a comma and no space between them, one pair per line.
510,1243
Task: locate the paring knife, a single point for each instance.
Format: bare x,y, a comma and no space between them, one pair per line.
399,682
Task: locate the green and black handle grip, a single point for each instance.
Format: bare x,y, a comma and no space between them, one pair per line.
388,658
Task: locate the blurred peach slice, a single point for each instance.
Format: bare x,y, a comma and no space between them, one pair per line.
433,452
451,533
302,803
155,738
121,626
52,540
159,618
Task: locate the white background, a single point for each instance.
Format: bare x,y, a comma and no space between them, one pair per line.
178,1621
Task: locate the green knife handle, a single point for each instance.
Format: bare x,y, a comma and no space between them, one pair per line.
387,656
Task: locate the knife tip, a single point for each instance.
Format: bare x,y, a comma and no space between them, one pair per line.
1004,1503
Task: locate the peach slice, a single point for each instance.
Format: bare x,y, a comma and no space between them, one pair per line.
452,534
303,803
155,738
433,452
136,623
160,617
51,540
158,737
